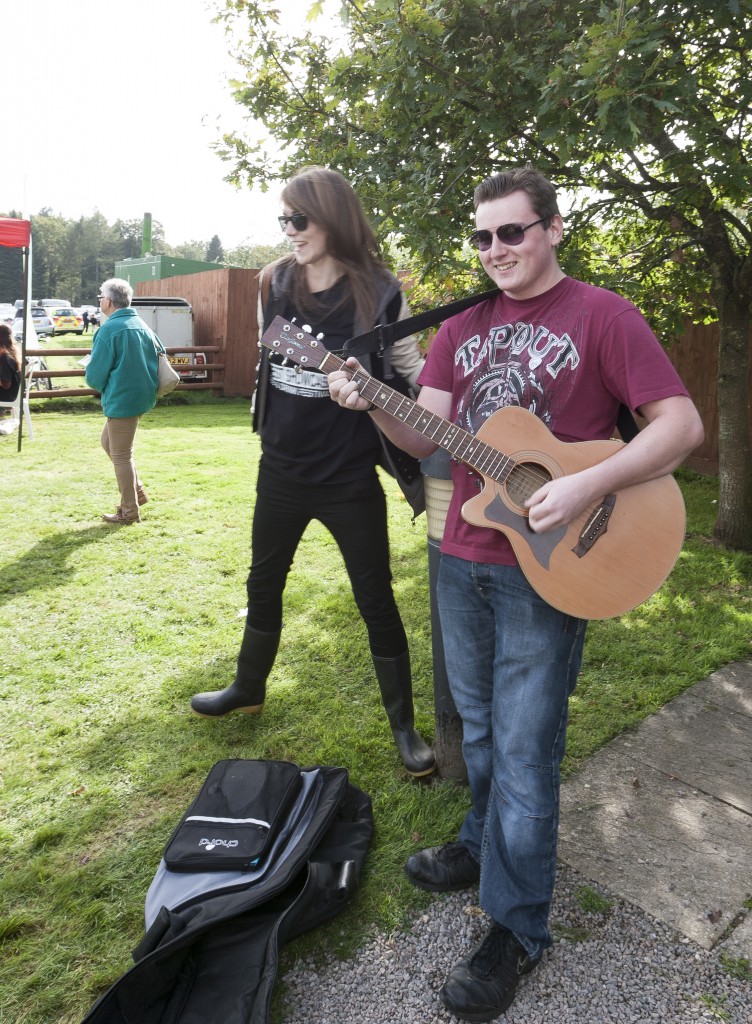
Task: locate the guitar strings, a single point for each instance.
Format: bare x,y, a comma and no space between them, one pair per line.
526,475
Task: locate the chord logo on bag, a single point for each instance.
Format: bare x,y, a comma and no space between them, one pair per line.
241,808
211,844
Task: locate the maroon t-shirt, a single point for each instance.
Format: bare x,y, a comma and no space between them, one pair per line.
571,356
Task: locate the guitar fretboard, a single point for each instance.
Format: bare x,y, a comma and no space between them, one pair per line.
463,445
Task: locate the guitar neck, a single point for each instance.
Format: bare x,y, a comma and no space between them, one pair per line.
461,444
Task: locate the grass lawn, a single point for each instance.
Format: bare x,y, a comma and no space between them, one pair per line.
107,632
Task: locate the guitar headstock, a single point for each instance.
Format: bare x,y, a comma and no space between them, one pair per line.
294,343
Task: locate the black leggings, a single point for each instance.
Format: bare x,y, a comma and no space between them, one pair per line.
355,515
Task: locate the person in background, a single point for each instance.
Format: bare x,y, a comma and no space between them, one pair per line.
570,353
85,318
10,367
317,461
123,368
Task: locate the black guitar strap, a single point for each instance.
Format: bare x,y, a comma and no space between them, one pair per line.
626,424
384,335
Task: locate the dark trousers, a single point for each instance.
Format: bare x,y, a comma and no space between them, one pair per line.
355,515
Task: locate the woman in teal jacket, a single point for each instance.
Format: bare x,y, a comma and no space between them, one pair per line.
123,368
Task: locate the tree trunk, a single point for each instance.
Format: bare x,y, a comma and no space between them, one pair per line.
733,527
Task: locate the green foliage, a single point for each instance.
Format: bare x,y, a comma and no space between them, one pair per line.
639,108
571,933
636,109
108,632
715,1006
195,249
130,233
255,256
71,258
214,251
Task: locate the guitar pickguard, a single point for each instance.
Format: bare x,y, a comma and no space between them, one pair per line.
541,544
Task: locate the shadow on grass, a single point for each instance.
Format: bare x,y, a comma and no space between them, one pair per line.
45,565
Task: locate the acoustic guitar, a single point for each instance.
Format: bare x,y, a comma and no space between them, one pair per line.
605,562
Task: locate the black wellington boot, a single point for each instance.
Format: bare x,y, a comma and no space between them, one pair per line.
248,690
395,683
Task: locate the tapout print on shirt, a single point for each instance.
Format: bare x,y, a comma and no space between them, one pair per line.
511,366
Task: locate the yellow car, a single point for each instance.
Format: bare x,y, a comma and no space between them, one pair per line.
66,321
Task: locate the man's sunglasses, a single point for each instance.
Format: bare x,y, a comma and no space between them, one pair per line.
298,220
509,234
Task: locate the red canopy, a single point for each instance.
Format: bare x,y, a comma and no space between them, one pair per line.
15,233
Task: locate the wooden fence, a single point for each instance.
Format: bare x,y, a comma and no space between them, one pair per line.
50,391
225,329
224,320
695,356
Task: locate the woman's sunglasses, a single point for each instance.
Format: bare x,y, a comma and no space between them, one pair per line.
298,220
509,234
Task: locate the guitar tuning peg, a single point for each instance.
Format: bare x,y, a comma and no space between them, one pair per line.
306,328
320,336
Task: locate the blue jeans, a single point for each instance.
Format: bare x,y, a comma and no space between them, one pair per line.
512,662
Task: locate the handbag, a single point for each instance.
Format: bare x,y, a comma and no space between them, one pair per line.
167,378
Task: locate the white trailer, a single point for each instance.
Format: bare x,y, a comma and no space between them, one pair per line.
171,319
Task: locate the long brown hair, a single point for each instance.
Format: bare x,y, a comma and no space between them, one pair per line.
327,198
8,343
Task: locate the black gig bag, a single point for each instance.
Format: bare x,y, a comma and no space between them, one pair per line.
210,953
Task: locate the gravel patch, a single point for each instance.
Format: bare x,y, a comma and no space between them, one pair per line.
608,966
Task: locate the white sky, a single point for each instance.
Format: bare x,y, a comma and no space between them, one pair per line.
113,107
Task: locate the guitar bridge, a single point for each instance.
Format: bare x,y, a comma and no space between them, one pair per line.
595,526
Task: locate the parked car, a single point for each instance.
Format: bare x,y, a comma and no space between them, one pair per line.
7,313
66,320
43,324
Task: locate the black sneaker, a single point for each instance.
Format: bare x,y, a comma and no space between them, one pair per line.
443,868
483,987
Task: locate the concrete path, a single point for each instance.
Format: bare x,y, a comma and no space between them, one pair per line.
662,816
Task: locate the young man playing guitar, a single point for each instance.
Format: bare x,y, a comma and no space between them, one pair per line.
571,354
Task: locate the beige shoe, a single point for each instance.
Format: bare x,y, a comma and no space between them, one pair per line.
120,519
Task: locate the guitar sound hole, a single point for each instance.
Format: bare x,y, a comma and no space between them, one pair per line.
524,480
